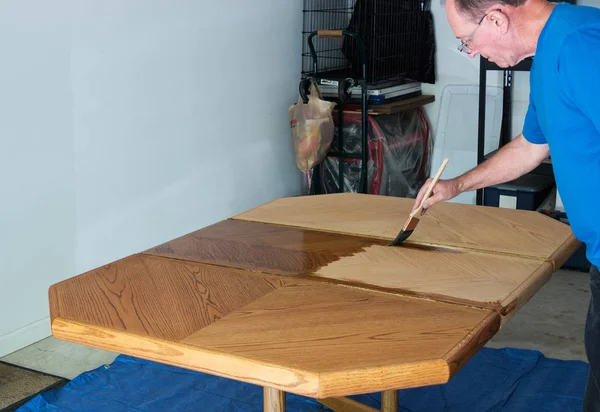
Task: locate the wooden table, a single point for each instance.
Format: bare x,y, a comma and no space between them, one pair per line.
304,295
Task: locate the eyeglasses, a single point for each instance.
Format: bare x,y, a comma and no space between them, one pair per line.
464,44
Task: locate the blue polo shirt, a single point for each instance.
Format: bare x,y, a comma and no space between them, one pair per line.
564,111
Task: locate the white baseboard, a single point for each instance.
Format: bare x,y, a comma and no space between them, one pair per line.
25,336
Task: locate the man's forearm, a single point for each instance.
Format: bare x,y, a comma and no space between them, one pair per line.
510,162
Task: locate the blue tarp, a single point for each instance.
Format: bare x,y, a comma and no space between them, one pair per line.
498,380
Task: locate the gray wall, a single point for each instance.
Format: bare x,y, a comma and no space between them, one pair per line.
118,126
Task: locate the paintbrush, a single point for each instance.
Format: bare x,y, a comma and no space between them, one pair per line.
413,219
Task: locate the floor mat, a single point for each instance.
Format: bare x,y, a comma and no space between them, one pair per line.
18,385
498,380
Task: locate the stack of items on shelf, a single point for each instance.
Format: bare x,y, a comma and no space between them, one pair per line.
377,93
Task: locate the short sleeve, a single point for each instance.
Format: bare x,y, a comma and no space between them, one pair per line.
579,71
531,127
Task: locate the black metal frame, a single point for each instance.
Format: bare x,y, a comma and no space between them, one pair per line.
391,31
345,83
506,128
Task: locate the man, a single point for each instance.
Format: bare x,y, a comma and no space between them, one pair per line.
563,119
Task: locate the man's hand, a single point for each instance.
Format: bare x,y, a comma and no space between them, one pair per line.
513,160
442,191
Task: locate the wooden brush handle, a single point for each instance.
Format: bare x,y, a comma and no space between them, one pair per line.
330,33
431,185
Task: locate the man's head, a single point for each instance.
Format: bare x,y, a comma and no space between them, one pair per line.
503,31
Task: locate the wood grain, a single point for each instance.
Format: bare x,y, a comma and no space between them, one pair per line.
499,230
393,341
303,295
152,296
274,400
476,339
563,253
299,338
177,354
265,247
468,277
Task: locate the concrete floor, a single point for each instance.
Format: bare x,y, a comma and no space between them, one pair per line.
59,358
551,322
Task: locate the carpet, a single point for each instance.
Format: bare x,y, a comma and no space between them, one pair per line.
18,385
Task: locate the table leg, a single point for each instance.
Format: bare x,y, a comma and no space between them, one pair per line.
274,400
389,401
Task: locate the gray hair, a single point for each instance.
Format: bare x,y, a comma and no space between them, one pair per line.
476,9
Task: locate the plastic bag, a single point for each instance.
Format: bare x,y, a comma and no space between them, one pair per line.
399,152
312,129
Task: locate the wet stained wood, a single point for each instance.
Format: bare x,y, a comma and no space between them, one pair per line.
491,229
152,296
257,246
473,278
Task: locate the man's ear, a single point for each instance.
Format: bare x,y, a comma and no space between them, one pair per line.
499,19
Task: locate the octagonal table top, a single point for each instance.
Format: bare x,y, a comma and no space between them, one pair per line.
319,305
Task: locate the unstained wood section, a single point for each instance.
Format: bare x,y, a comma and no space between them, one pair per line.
354,339
462,276
518,232
157,297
